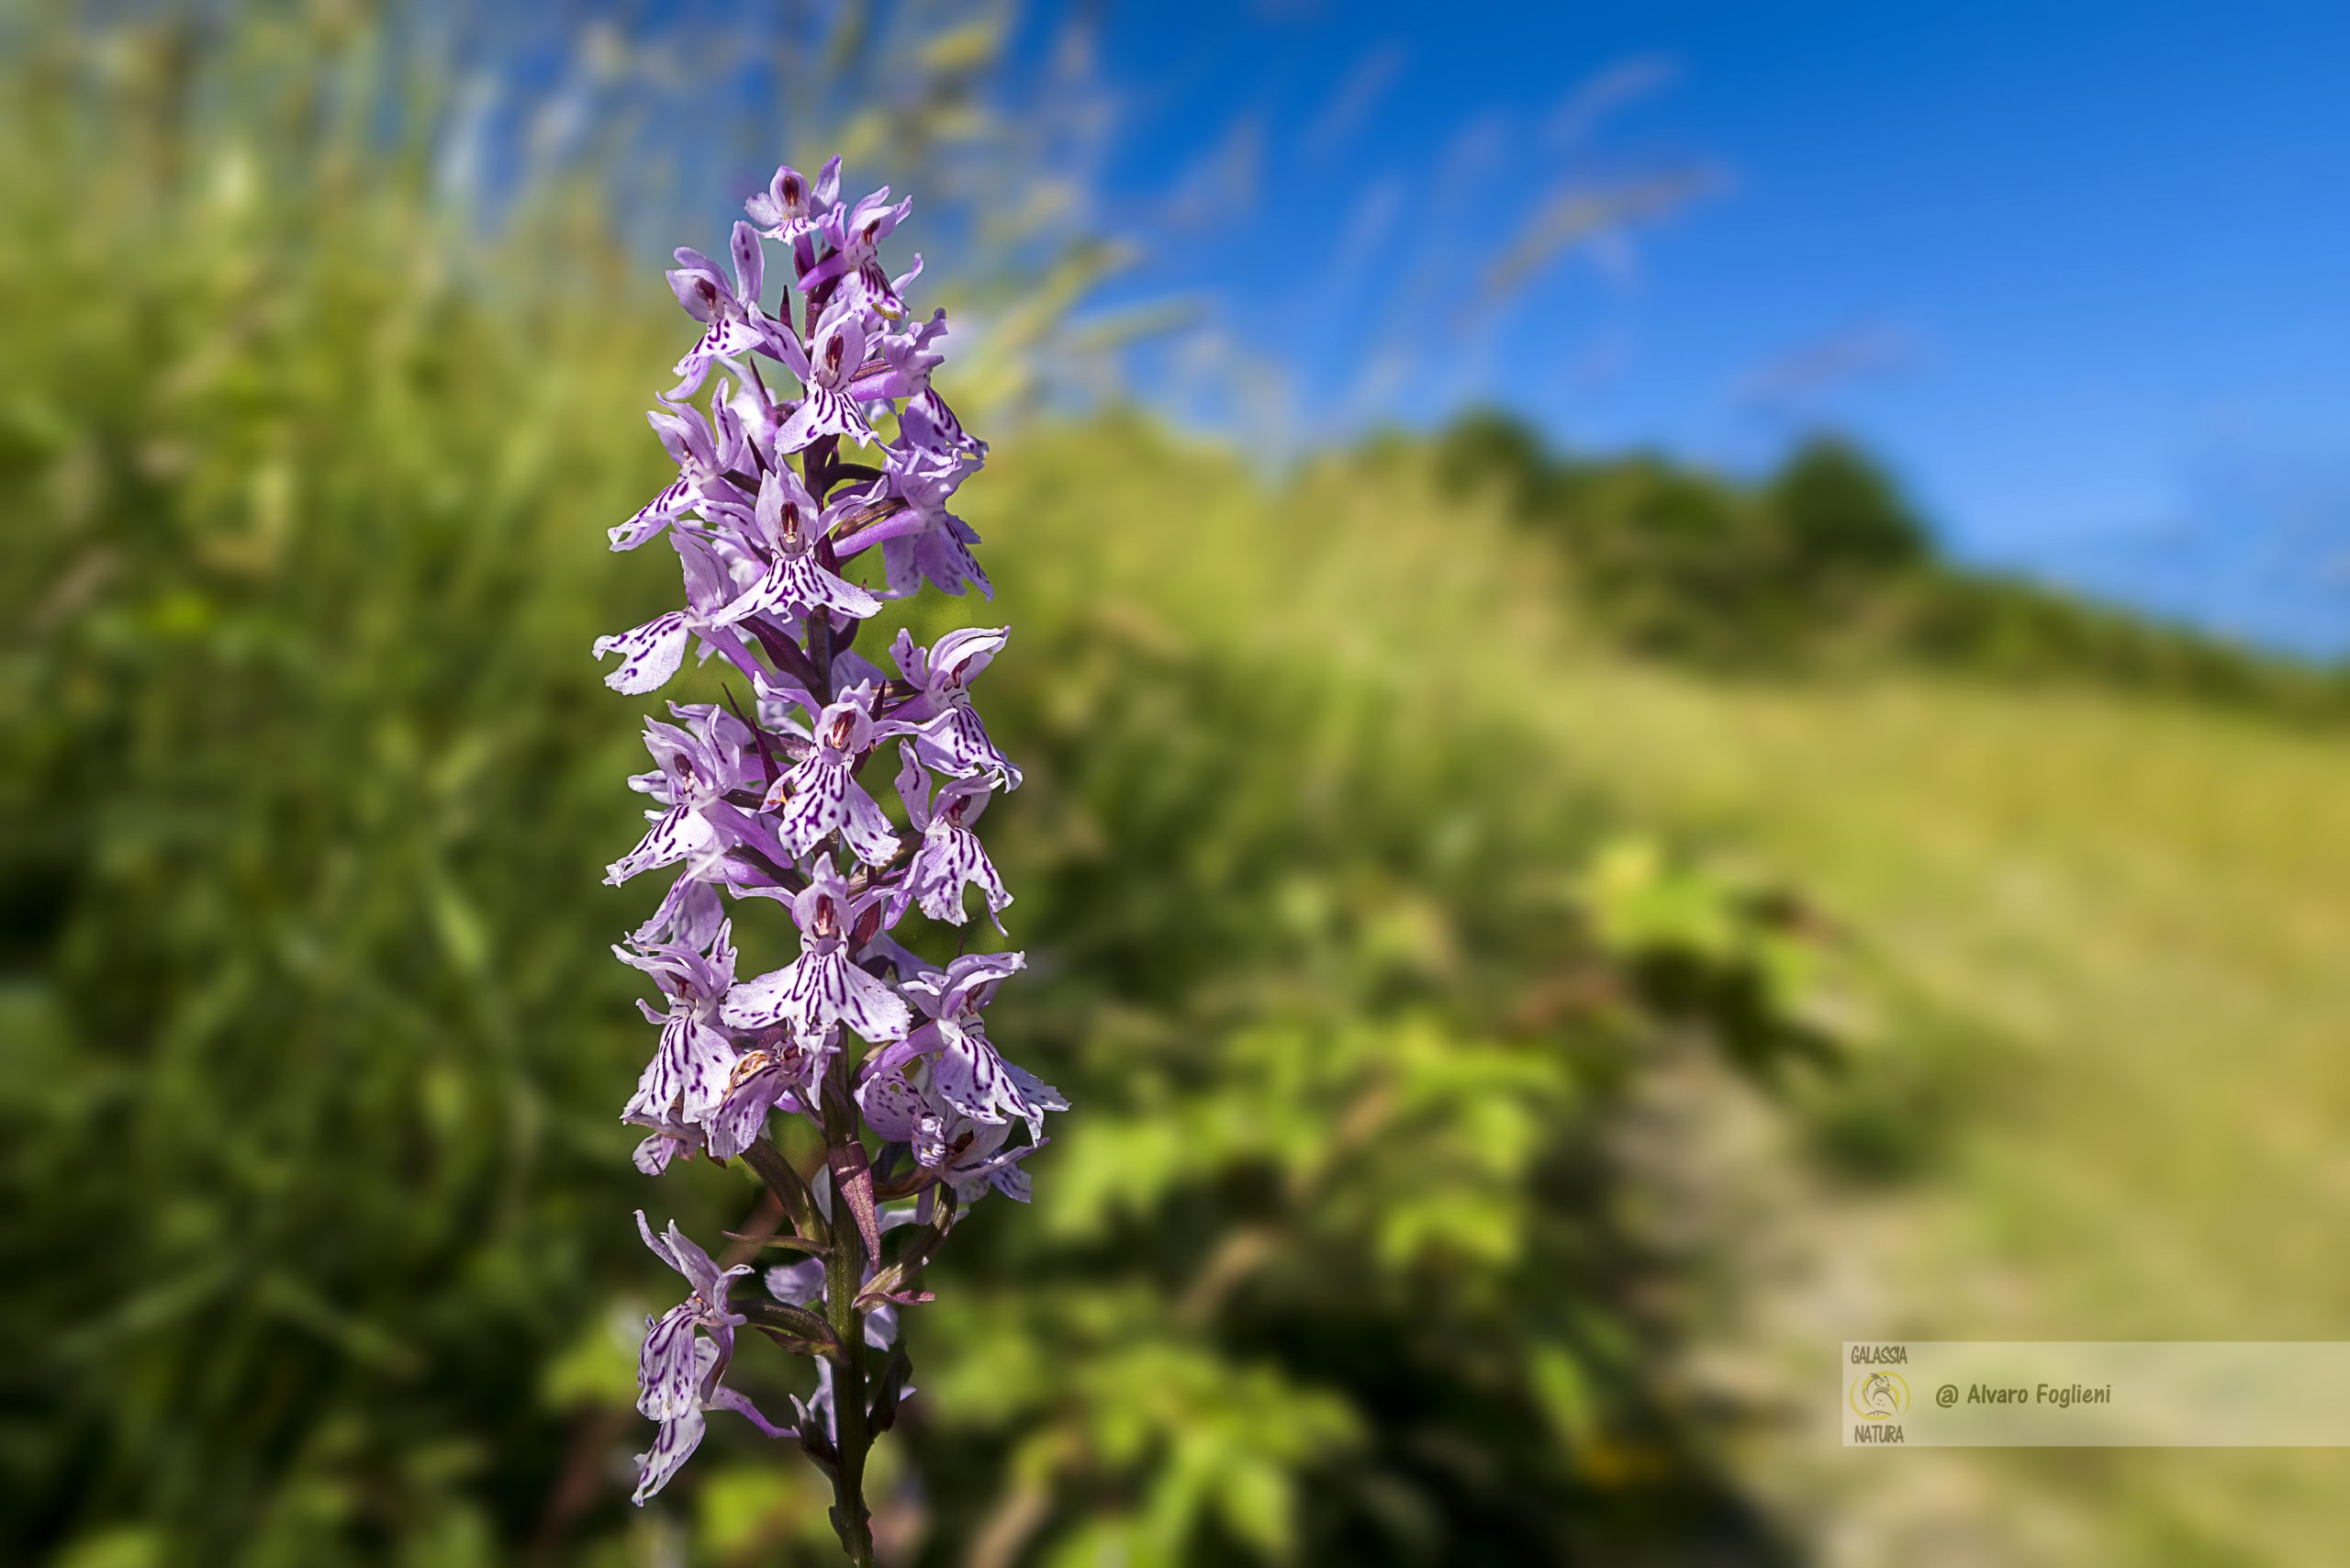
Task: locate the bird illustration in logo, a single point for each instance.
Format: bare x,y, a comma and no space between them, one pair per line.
1877,1398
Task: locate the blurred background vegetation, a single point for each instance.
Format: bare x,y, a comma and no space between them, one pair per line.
1542,946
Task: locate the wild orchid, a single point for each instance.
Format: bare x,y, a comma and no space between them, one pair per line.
880,1052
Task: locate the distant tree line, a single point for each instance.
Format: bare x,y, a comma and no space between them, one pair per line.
1822,563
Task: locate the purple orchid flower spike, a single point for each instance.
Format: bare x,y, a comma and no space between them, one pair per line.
689,1071
761,798
821,987
828,369
790,523
734,324
951,857
950,736
821,794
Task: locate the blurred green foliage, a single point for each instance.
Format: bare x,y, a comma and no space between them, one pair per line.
317,1244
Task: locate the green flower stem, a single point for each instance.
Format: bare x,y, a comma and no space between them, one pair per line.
843,1278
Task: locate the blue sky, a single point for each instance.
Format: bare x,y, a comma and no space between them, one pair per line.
2081,272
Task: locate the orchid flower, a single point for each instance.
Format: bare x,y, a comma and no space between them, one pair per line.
733,321
760,799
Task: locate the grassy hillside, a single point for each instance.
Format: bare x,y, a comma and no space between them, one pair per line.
2092,945
2117,926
